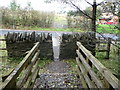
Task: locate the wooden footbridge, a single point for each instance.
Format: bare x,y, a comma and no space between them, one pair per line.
91,72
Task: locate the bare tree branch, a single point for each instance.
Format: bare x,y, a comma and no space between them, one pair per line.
100,3
88,2
81,10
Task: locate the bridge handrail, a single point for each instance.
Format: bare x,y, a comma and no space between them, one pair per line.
111,79
26,64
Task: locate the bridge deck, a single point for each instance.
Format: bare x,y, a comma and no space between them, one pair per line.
57,75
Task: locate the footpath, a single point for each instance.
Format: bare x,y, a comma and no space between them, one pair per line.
57,75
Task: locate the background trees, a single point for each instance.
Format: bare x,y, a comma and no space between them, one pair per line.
16,17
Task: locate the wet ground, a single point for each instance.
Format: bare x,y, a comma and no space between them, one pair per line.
57,76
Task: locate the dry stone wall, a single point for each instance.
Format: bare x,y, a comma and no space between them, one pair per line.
18,44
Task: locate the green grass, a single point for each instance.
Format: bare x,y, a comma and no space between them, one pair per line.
9,64
103,28
113,63
100,28
43,63
54,29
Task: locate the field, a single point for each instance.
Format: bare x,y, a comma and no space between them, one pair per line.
103,28
113,63
100,28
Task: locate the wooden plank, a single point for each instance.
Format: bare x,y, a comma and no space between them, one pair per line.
7,74
29,81
35,58
35,66
27,72
3,48
91,72
34,77
8,82
87,79
24,76
84,84
2,39
102,69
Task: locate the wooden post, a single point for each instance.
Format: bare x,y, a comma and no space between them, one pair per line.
3,54
108,48
94,25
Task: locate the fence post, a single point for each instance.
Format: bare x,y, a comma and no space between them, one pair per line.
108,48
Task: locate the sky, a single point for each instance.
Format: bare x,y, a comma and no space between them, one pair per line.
42,6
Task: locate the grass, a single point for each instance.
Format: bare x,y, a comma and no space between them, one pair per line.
13,62
54,29
43,63
113,63
103,28
9,64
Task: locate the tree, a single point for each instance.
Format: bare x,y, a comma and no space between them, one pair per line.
112,6
13,5
78,20
75,4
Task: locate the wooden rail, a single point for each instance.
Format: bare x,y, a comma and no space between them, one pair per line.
95,75
24,75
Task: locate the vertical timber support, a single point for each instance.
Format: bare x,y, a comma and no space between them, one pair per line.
3,54
93,29
94,24
108,48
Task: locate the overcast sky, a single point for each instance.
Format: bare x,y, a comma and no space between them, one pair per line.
40,5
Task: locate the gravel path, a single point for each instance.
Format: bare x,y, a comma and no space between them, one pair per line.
57,76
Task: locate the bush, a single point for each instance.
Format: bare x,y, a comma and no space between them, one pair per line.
25,18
